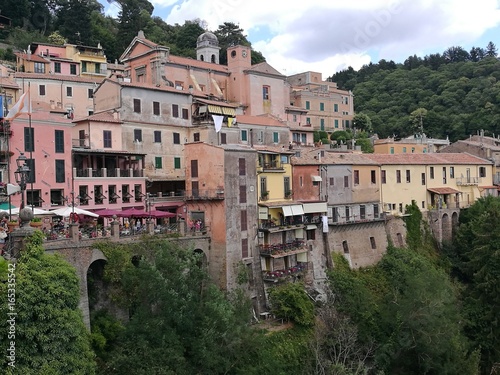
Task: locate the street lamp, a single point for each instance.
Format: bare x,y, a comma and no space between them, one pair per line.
21,175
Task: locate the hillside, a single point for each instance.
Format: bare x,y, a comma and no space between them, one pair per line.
458,96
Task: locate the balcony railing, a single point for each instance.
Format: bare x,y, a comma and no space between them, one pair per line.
80,143
105,172
283,275
468,180
278,250
204,194
272,166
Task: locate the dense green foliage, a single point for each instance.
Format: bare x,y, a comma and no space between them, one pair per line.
290,301
50,337
475,260
450,95
83,22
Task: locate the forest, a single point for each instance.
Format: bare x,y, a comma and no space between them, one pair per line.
423,309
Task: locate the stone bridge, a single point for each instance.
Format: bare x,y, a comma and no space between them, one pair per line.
82,254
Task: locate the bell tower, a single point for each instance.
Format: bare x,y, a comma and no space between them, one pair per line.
207,48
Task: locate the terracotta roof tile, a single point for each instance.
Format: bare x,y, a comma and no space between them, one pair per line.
427,159
197,63
31,57
101,117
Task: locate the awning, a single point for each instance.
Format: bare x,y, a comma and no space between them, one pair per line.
287,210
315,208
297,209
263,213
229,111
215,109
316,178
444,190
311,227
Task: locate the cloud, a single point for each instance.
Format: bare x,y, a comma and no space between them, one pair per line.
326,35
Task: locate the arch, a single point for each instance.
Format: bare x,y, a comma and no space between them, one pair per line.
213,59
202,58
203,262
454,223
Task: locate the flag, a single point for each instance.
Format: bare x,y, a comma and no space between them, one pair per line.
23,105
218,122
230,121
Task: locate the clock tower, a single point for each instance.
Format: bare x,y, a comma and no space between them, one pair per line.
238,62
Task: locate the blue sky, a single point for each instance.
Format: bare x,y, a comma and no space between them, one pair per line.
329,35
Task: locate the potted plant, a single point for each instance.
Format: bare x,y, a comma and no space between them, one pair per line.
13,223
36,222
288,194
265,194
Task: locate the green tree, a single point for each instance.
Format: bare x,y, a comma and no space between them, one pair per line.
50,337
130,20
290,301
56,38
229,34
362,121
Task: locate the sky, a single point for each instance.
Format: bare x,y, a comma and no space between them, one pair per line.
330,35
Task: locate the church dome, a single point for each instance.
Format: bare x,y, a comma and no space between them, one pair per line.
207,38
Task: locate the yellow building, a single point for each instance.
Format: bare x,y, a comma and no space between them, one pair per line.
433,181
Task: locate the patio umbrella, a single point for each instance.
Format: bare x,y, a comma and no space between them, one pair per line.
109,212
36,211
134,212
66,211
160,214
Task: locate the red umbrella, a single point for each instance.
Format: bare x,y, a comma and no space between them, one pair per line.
160,214
134,212
108,212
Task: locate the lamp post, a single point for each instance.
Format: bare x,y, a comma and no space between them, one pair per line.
21,174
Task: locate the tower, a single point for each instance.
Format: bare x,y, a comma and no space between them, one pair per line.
207,48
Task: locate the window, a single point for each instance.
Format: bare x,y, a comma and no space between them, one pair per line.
196,137
72,69
347,213
90,93
244,137
177,163
179,85
332,181
185,114
408,176
452,172
39,67
482,171
413,150
276,137
98,67
244,220
308,121
194,168
263,186
336,124
175,110
158,162
60,177
404,150
335,108
59,141
41,90
106,138
374,176
423,178
392,150
372,242
69,91
177,138
223,138
137,105
376,211
444,175
243,194
321,106
398,176
84,66
242,166
322,124
244,247
345,246
266,92
138,135
308,105
29,139
31,165
362,212
157,136
156,108
431,172
57,67
286,186
346,181
356,177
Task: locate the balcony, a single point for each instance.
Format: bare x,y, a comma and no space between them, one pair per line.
355,220
108,173
271,226
204,194
80,143
285,274
279,250
464,181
